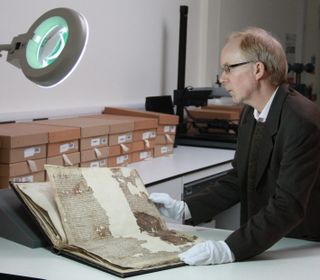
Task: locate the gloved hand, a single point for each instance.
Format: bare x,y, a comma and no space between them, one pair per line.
168,206
208,252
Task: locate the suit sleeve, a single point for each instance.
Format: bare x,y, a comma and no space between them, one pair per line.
215,198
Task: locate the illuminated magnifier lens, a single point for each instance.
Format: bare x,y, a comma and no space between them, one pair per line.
55,45
48,42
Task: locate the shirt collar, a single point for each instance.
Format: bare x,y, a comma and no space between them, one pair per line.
262,117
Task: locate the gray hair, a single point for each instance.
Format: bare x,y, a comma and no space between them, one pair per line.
257,44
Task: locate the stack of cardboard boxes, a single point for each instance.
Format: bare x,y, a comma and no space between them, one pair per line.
26,147
166,127
103,143
143,136
117,137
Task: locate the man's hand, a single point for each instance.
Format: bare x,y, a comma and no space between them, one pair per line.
208,252
168,206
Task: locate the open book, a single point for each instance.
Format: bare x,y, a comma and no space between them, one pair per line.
102,217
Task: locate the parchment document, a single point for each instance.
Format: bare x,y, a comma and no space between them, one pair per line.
106,213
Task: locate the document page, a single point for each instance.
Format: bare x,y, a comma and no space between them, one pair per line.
106,212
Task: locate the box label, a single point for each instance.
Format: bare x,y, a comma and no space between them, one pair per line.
122,159
29,152
164,150
98,163
145,155
148,135
95,142
125,138
25,179
66,147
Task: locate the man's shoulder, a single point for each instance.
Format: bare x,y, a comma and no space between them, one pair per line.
300,112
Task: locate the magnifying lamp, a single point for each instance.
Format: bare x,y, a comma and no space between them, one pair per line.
52,48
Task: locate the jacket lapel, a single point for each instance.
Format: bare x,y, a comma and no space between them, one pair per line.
243,146
271,129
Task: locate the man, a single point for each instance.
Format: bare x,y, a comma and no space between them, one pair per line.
276,169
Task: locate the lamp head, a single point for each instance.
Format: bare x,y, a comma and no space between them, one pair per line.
52,47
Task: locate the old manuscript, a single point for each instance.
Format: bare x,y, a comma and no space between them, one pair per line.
103,216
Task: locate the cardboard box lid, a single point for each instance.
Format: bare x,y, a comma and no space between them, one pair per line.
14,135
92,126
58,133
116,124
162,118
139,122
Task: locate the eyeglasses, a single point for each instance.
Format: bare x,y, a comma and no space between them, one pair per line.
227,67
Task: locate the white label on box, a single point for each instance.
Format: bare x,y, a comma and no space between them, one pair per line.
29,152
66,147
125,138
148,135
129,137
98,163
104,141
145,155
25,179
95,142
122,159
173,129
164,150
166,128
94,164
122,139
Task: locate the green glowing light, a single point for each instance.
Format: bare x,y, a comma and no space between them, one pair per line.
47,43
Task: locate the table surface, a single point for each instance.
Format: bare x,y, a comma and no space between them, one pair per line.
287,259
185,159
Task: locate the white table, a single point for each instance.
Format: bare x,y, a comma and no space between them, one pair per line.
288,259
184,160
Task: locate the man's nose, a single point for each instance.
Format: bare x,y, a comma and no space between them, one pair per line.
222,78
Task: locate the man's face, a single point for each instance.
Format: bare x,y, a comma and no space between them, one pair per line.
240,82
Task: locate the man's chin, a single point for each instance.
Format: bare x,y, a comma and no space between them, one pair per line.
236,100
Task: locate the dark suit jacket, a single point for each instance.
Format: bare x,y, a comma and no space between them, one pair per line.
285,200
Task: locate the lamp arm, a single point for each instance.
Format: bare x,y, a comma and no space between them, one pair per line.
5,47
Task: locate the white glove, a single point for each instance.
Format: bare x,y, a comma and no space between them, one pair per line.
168,206
208,252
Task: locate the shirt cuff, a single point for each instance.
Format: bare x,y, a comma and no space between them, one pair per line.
187,213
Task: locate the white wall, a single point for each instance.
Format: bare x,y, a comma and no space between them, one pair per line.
226,16
132,53
133,49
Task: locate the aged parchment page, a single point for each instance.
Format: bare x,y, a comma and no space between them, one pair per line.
40,200
106,212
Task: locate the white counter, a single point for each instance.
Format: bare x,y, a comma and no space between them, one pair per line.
288,259
183,161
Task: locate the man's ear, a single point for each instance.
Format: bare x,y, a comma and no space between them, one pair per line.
260,70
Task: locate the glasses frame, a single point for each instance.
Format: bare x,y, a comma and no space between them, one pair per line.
226,68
